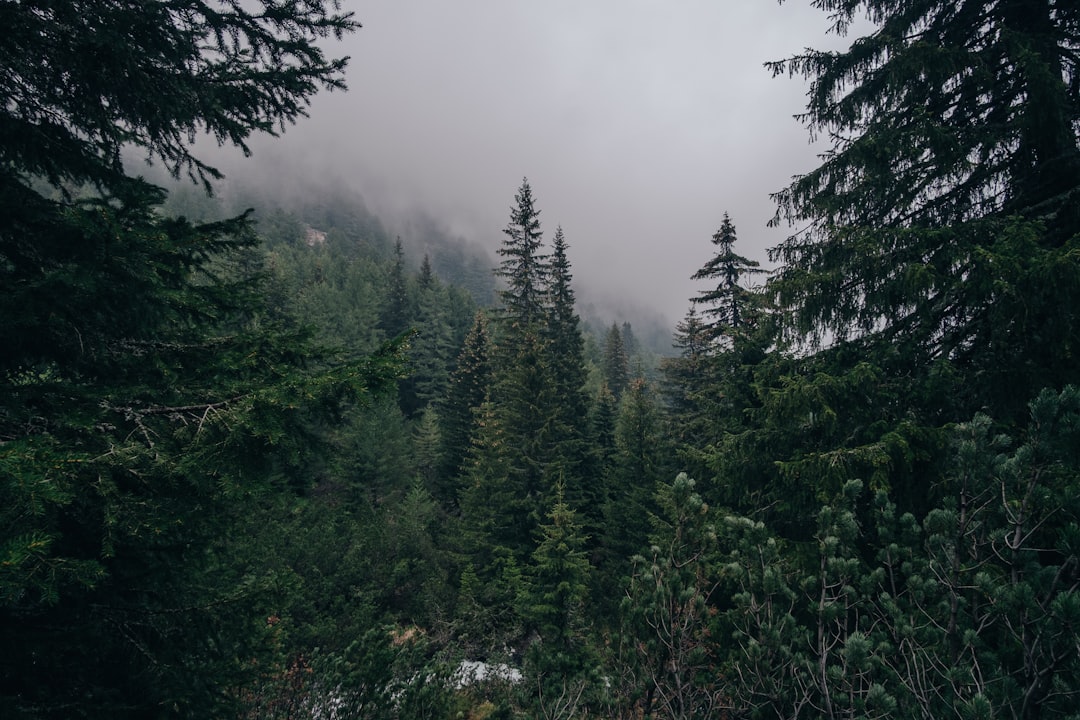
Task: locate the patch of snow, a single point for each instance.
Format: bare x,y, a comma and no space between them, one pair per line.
470,672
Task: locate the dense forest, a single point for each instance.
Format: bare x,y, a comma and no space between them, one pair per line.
280,463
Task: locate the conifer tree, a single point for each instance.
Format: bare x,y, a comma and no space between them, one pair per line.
631,486
127,457
728,305
684,375
396,313
425,279
143,397
667,607
602,419
468,387
556,590
689,387
432,345
523,269
566,344
616,364
179,69
565,350
638,462
939,226
515,463
630,341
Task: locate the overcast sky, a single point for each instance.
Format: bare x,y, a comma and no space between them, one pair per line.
638,124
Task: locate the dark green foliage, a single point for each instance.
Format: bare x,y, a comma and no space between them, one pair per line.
565,350
396,311
141,409
468,387
523,268
948,201
517,457
729,306
153,76
687,385
630,487
433,346
615,363
972,610
553,600
666,609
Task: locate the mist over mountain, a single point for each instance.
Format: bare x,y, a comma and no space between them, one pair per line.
636,135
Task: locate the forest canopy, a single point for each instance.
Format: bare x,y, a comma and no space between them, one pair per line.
279,463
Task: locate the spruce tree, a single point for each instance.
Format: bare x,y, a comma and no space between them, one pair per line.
515,463
396,313
631,484
616,364
939,228
85,81
728,305
468,387
565,350
690,389
130,451
432,345
555,594
523,269
144,396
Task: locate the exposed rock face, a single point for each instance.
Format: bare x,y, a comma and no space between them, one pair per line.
314,237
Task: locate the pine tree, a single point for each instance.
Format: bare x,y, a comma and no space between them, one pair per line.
515,462
468,387
166,72
432,346
425,279
565,350
616,364
630,341
941,223
127,458
667,607
523,269
689,386
602,419
144,399
630,488
396,312
728,306
555,594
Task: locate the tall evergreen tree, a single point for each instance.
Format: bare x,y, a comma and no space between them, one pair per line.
556,590
616,363
468,387
565,350
433,344
425,279
631,485
941,226
566,344
523,268
689,388
177,70
517,456
396,313
143,399
728,305
127,459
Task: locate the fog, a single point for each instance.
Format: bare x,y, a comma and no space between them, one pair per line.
638,124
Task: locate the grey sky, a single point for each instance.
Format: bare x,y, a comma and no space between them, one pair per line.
637,123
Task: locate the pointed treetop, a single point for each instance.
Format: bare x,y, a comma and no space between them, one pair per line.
523,268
